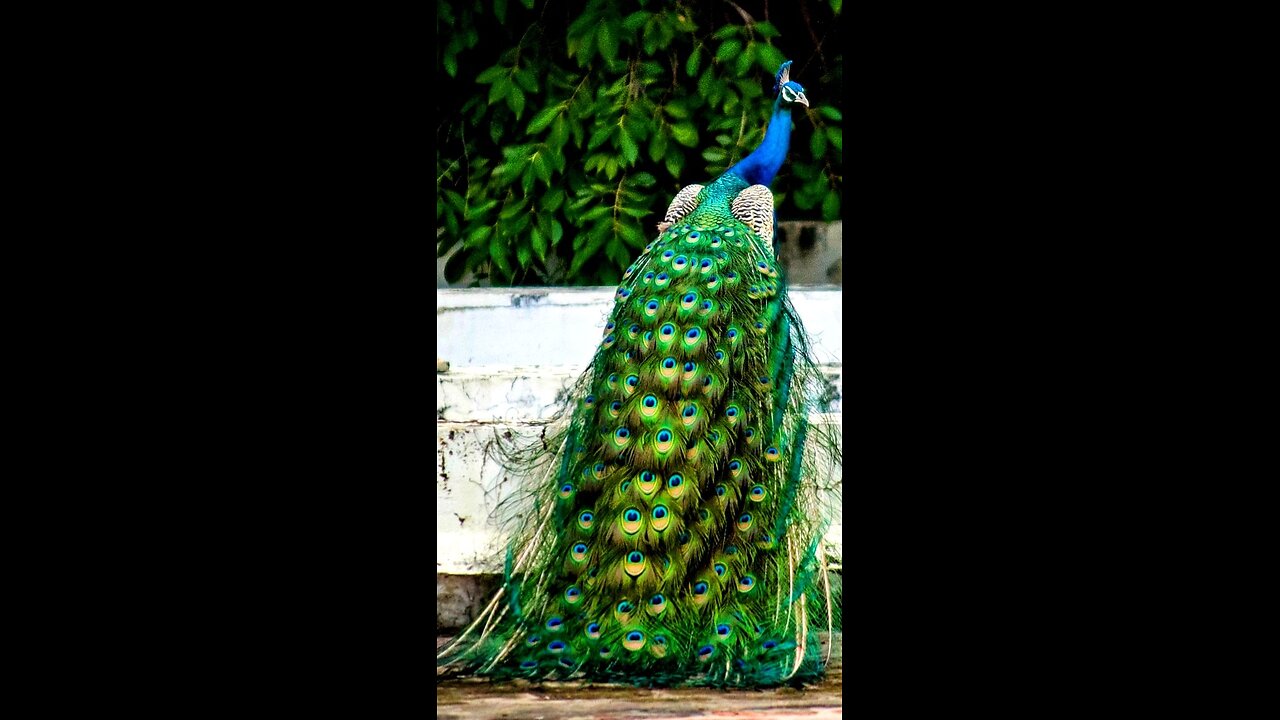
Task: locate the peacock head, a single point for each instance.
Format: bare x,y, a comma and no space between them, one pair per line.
789,93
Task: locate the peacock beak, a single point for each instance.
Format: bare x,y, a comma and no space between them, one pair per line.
802,100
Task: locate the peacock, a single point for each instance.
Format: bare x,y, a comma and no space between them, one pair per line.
671,532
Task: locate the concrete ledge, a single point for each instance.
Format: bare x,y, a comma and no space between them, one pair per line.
539,327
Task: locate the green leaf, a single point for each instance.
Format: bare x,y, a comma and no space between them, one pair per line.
830,113
629,148
559,135
477,237
611,168
769,59
685,133
635,20
552,199
714,155
500,11
491,74
657,146
499,90
498,248
835,6
836,136
818,144
642,179
691,65
598,211
831,207
542,119
542,167
599,136
524,255
728,49
727,31
743,63
451,64
515,100
674,162
557,232
528,4
527,79
607,37
539,244
723,140
676,110
766,29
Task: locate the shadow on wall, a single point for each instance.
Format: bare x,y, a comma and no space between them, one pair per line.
810,252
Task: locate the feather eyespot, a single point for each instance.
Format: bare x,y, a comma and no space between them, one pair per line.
593,630
769,644
661,280
772,454
634,640
635,563
667,330
657,604
573,594
648,277
647,482
744,522
746,584
579,552
609,340
589,401
720,569
700,588
661,518
599,470
704,514
706,264
679,263
555,646
731,549
555,623
566,490
667,255
705,652
528,664
721,490
631,521
675,486
757,494
533,640
689,366
693,334
723,630
586,519
713,282
693,235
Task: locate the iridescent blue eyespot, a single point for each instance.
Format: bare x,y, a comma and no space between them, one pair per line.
690,297
555,645
664,435
653,305
624,607
689,366
693,334
635,555
622,433
732,334
720,569
690,411
669,363
554,623
662,277
769,644
632,515
668,255
706,262
650,401
615,406
720,491
700,588
674,481
706,651
659,512
667,329
580,548
722,630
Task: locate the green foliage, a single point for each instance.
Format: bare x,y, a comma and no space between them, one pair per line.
565,134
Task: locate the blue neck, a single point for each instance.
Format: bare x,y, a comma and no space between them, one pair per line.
761,165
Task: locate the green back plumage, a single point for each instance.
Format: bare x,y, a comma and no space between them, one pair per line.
673,533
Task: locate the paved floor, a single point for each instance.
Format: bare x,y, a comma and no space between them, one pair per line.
470,699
